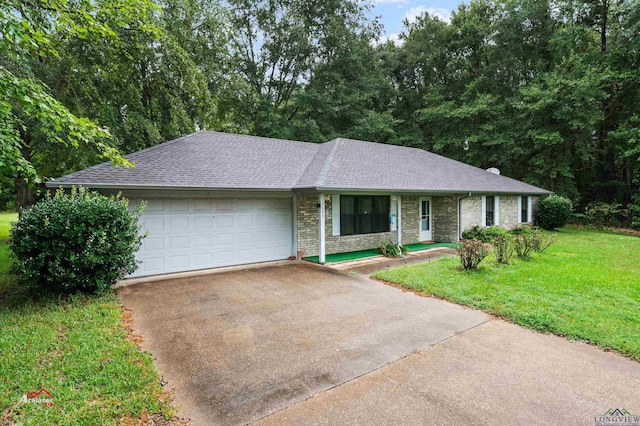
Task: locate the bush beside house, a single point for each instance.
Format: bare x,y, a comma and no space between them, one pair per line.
554,212
75,241
478,242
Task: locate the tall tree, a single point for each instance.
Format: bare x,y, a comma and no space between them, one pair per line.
537,89
278,45
28,111
144,86
348,94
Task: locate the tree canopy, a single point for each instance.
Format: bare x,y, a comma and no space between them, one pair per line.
546,91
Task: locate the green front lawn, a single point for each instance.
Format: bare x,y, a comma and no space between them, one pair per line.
77,348
586,286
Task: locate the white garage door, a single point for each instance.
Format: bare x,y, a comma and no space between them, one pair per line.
185,235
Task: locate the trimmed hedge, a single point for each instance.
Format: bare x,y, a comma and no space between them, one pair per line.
554,212
75,241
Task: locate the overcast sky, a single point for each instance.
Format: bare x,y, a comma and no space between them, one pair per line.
393,12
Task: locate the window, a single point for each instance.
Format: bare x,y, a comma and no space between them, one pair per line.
364,214
490,211
524,209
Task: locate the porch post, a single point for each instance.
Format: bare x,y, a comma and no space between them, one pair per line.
321,236
398,220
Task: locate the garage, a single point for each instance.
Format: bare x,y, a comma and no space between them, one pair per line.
191,234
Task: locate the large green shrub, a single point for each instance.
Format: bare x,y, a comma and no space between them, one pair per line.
75,241
554,212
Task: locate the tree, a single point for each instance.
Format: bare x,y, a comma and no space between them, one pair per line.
348,94
150,80
546,92
278,46
27,109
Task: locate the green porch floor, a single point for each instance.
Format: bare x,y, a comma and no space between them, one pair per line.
361,254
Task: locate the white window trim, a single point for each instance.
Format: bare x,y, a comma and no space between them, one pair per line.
483,212
520,208
496,210
529,204
529,209
335,215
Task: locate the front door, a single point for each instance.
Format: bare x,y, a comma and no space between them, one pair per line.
425,219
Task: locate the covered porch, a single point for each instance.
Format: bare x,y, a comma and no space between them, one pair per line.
338,227
363,254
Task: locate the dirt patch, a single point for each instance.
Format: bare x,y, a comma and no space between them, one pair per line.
149,419
155,420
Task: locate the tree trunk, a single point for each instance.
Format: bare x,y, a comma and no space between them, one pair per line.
604,18
628,180
24,191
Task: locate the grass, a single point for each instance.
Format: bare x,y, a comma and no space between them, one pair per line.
77,348
421,246
362,254
7,282
586,286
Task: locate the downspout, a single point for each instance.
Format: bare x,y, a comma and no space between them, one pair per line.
295,226
398,220
460,214
321,236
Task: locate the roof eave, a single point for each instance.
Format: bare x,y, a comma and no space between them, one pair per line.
329,189
54,184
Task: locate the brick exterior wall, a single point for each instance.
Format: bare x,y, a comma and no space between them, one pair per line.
307,224
445,222
410,217
509,213
342,243
471,212
445,219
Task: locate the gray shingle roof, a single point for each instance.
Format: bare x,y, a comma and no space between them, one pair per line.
212,160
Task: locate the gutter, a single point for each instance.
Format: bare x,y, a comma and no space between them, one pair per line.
313,190
426,192
54,184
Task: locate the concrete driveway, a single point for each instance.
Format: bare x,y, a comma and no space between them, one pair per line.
240,345
301,344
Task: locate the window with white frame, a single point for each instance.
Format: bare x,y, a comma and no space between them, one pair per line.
490,210
524,209
360,214
384,209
